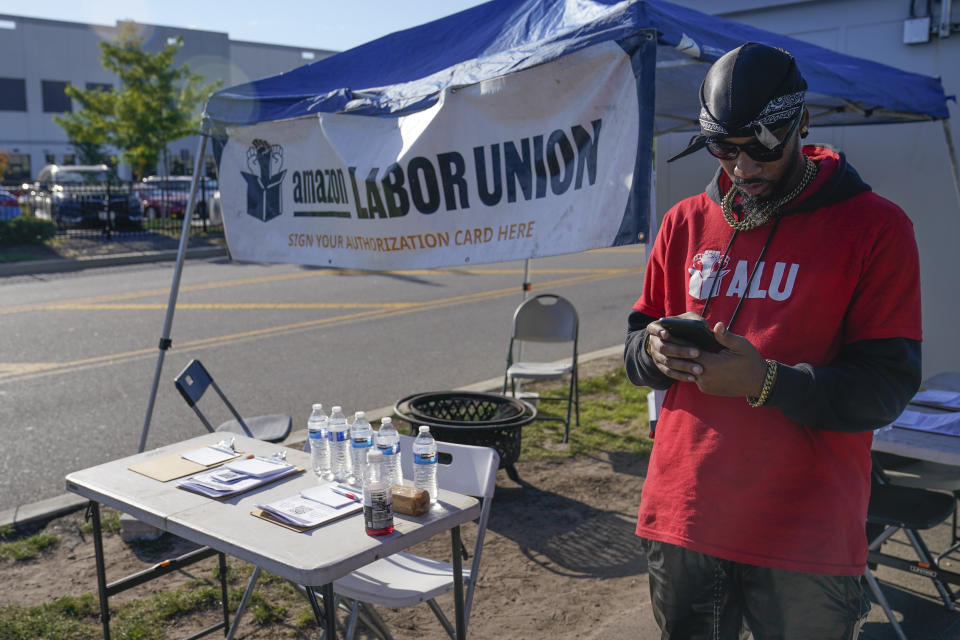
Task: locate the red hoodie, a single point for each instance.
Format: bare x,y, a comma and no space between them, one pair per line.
749,484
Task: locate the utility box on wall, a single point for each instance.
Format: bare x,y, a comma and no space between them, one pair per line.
916,30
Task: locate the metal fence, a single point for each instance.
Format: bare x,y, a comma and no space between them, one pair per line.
122,209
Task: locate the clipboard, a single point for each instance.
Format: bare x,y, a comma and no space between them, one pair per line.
171,467
269,517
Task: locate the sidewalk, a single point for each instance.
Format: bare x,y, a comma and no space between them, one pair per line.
76,254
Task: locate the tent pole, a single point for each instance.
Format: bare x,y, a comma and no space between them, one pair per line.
526,278
952,153
174,286
526,289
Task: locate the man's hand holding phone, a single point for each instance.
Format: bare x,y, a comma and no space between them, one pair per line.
674,356
719,362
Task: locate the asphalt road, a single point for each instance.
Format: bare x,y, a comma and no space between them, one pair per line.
78,351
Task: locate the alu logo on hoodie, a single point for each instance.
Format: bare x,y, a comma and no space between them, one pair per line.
706,274
263,183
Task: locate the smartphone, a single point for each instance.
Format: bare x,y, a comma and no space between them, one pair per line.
693,331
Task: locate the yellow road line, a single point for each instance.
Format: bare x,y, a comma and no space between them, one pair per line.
104,302
9,372
111,302
206,306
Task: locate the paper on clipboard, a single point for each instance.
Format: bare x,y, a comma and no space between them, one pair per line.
302,514
209,455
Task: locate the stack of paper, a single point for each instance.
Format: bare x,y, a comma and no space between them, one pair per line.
948,423
237,477
938,398
313,507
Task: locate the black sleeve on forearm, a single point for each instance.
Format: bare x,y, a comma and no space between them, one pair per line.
867,386
641,370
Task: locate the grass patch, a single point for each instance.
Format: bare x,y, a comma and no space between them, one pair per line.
613,418
109,523
27,548
68,617
7,257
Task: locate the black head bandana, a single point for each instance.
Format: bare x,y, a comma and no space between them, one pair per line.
749,91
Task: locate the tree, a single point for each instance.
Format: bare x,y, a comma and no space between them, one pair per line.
88,128
155,104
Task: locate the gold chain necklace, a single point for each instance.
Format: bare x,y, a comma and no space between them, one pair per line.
763,213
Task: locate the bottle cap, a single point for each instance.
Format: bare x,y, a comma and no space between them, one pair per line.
386,420
424,429
360,414
336,408
318,407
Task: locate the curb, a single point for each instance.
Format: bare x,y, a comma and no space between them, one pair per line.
36,512
31,267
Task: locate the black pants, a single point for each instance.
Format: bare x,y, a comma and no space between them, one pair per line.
699,597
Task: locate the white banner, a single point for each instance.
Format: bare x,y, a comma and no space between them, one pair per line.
535,163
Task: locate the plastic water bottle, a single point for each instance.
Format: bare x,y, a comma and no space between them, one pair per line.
319,442
377,496
388,442
425,463
361,438
339,443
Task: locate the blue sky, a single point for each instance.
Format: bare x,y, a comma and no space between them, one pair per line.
321,24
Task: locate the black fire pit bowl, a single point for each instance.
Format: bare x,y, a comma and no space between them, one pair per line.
464,417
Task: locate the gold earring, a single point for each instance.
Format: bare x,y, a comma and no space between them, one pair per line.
803,132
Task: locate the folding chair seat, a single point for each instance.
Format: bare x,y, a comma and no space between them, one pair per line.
921,474
545,318
194,381
894,508
405,579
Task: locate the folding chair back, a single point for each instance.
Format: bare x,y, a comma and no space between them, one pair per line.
546,318
193,382
461,468
911,510
405,579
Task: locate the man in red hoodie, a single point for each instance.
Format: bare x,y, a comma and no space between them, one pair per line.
754,505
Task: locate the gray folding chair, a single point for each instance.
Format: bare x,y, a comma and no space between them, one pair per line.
404,579
542,319
194,381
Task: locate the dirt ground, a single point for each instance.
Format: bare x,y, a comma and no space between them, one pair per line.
560,560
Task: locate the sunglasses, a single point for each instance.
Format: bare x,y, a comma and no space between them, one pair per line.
728,151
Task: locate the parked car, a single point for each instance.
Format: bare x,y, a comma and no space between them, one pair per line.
9,207
166,197
84,196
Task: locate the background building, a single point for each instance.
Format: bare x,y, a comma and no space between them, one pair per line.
907,163
38,58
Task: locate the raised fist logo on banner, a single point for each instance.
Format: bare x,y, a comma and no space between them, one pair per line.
263,183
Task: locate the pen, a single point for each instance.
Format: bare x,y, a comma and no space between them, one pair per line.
346,494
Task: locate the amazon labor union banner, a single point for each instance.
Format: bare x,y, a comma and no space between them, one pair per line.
552,159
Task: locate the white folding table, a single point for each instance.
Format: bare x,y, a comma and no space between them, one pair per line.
313,559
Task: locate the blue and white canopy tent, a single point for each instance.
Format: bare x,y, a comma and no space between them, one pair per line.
514,129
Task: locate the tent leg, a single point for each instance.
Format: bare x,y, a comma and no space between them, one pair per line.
174,288
952,153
